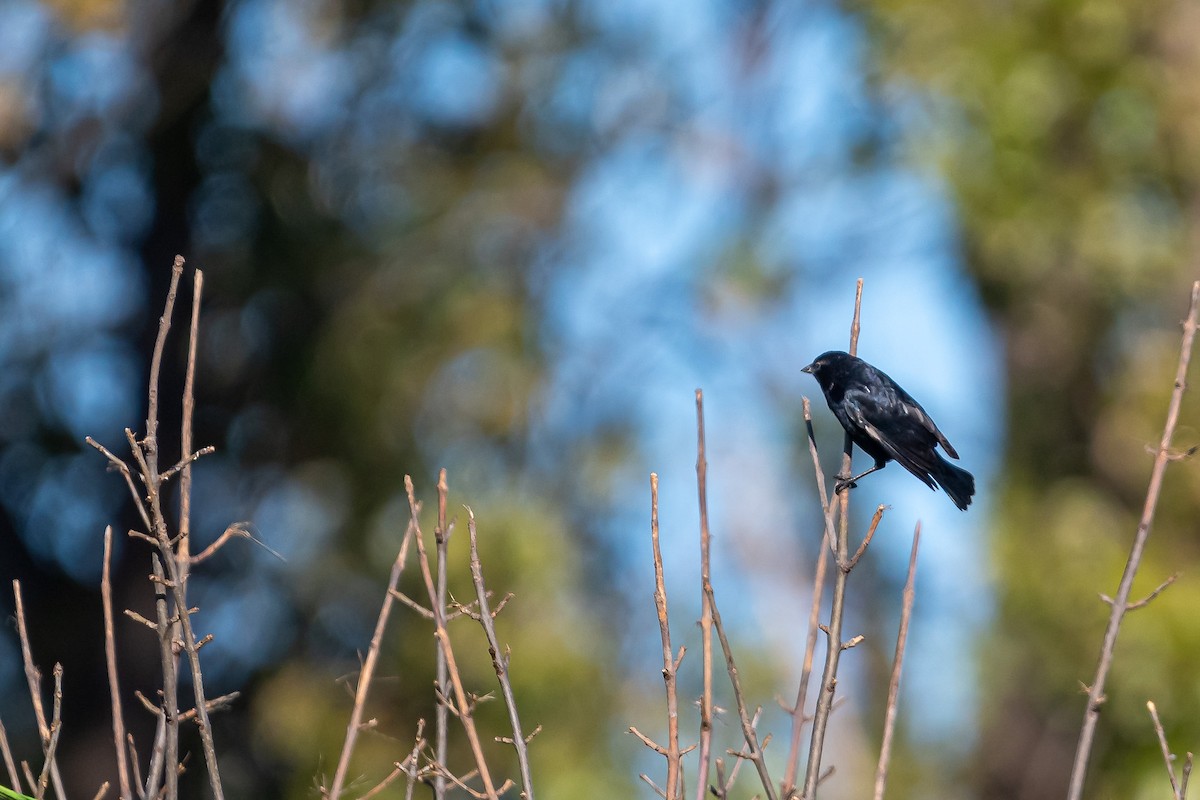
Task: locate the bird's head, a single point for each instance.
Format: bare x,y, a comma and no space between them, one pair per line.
827,363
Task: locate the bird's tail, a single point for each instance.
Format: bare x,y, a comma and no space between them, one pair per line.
956,482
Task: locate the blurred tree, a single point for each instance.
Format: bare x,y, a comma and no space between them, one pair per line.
487,236
1067,134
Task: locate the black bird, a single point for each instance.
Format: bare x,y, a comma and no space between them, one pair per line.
887,424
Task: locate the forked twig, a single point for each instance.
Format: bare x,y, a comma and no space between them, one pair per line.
34,678
55,730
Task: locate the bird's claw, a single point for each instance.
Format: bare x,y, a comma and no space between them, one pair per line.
843,483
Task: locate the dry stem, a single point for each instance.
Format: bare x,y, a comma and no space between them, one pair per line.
368,668
463,707
55,730
754,750
110,653
441,538
670,663
706,612
1120,603
13,779
499,662
834,651
34,677
889,717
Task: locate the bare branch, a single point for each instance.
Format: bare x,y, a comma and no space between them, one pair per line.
753,749
120,466
646,740
34,678
889,717
110,653
1168,759
1120,604
674,762
188,411
412,769
55,730
14,779
862,548
368,668
441,538
833,653
1145,601
706,611
463,708
164,768
500,663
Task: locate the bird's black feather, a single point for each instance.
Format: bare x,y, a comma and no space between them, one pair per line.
888,424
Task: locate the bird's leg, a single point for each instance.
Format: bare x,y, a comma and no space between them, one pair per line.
847,482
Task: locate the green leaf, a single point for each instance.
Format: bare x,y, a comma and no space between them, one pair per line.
9,794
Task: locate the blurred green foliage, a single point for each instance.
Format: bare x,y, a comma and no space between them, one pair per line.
1067,134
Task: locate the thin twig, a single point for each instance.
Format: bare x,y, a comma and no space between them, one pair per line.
165,769
13,779
164,326
101,792
1145,601
889,717
368,668
837,609
236,530
1119,606
441,538
674,763
34,678
862,548
753,749
55,730
463,707
185,428
1168,759
741,756
120,466
810,644
500,662
706,611
110,655
413,767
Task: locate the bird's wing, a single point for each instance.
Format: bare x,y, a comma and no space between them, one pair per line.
899,427
916,412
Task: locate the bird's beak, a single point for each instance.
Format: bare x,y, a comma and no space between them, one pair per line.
807,369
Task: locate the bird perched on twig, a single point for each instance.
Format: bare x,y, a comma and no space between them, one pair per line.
887,424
